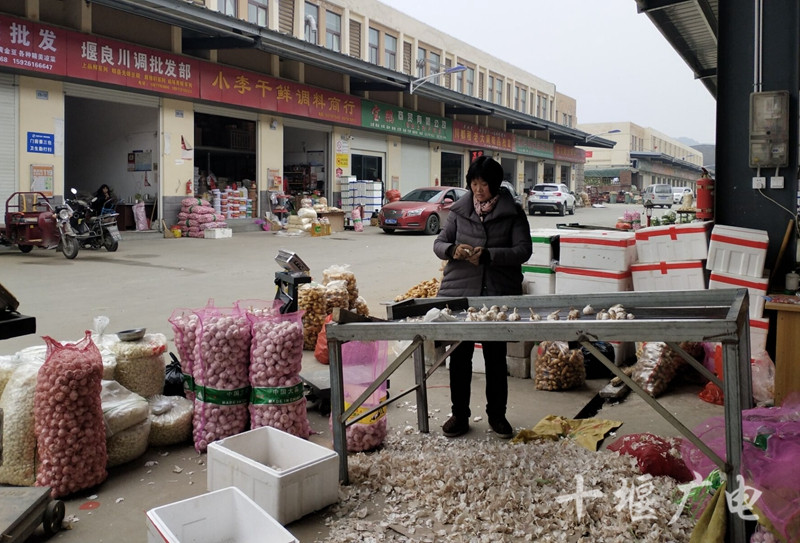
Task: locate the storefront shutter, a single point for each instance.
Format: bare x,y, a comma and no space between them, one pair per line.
286,17
355,39
110,95
8,137
416,163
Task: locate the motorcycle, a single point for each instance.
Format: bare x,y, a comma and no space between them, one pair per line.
93,231
32,221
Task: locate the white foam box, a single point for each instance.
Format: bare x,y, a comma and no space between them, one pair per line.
545,243
226,514
285,475
598,249
538,279
673,242
740,251
217,233
756,288
519,367
688,275
759,327
585,281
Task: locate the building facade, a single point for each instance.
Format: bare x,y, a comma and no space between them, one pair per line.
161,99
641,157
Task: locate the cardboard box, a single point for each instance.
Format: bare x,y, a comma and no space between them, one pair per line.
598,250
288,477
223,515
759,328
217,233
538,279
689,275
585,281
545,246
674,242
739,251
756,288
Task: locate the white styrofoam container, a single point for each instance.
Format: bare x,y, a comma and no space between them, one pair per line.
226,514
759,327
585,281
538,279
756,288
673,242
598,250
217,233
285,475
740,251
686,275
545,246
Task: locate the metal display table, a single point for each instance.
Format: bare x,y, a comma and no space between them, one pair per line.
668,316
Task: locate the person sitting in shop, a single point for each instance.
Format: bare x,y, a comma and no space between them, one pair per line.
101,197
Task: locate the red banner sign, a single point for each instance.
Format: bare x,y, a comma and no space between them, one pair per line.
474,135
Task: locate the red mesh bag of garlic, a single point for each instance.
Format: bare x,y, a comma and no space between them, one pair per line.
276,356
220,372
186,323
362,363
68,414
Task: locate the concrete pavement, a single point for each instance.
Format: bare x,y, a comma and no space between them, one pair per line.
149,277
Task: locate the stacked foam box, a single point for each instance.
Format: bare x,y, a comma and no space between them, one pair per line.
595,261
670,257
539,276
736,259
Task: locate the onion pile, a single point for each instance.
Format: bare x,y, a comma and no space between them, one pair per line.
276,357
221,376
70,432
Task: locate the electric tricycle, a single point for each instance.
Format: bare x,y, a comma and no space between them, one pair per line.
32,221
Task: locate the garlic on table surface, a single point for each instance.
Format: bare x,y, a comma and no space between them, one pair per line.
554,315
534,315
588,310
514,316
574,314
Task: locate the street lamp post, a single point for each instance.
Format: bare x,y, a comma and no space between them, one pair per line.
417,83
592,136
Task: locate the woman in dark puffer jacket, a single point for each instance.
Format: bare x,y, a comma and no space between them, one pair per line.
485,242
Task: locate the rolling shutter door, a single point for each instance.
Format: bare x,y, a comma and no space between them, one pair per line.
8,137
110,95
416,163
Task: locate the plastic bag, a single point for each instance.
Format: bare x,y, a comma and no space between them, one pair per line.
321,349
594,368
711,393
19,438
656,366
336,295
170,420
311,301
121,407
128,444
558,367
338,272
173,378
140,216
763,376
654,455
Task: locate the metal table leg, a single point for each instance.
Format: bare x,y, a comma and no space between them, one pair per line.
337,407
422,389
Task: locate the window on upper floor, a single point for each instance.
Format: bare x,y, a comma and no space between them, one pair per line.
490,89
333,31
516,97
227,7
421,61
434,63
459,81
469,75
390,52
374,44
523,100
499,88
311,21
257,12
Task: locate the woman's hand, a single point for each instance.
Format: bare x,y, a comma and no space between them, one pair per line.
462,252
475,257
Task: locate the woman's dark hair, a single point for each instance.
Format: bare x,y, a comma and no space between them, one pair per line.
100,190
488,169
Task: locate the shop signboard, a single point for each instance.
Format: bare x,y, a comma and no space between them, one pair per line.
566,153
533,147
29,46
405,122
480,136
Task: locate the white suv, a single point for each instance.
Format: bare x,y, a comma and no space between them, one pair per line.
551,197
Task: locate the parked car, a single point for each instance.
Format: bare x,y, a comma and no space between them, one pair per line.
510,188
679,192
424,209
658,195
551,197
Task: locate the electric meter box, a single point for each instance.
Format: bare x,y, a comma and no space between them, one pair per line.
769,129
